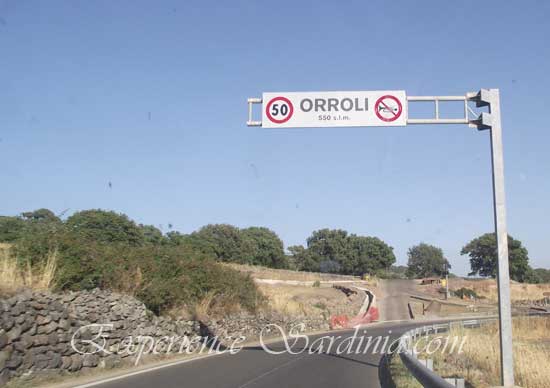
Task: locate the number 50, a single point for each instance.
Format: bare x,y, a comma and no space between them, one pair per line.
275,109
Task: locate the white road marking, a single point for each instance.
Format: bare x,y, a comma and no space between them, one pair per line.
107,380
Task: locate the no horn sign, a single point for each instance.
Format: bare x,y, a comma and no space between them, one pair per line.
334,109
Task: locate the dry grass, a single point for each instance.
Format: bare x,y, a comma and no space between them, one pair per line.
212,306
4,246
285,303
202,308
305,299
259,272
400,375
488,289
15,275
310,301
479,364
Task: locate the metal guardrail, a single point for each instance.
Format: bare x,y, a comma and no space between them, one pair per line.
424,375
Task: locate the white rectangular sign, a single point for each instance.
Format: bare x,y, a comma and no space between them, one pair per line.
334,109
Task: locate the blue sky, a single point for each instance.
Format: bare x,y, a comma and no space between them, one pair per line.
151,96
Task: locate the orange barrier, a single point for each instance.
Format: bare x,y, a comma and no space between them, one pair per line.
344,322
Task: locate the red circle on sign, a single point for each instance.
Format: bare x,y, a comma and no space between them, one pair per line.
380,101
290,110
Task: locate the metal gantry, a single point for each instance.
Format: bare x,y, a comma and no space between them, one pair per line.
485,121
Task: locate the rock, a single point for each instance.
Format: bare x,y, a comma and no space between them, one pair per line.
58,307
64,349
64,337
7,321
48,328
42,320
18,309
28,361
15,360
27,323
41,339
3,339
41,361
4,357
64,324
111,361
38,350
52,339
32,330
66,362
26,341
55,360
13,334
67,298
19,346
76,363
37,305
4,376
90,360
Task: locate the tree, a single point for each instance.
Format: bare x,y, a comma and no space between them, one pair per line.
426,260
105,227
368,255
326,245
336,251
45,215
268,247
11,228
151,234
15,228
483,257
223,242
542,274
302,260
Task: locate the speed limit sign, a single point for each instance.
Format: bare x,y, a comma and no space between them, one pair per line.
279,110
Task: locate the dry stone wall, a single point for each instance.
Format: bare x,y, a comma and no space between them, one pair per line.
47,333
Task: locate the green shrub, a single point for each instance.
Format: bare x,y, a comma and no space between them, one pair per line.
96,248
171,280
466,292
106,227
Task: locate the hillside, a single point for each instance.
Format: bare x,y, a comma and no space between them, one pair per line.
294,293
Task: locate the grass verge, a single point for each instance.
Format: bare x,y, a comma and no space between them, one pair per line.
16,274
478,363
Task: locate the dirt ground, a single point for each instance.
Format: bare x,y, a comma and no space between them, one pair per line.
259,272
310,298
296,293
488,289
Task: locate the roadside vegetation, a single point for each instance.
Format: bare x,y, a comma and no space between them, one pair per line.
478,362
171,271
107,250
400,377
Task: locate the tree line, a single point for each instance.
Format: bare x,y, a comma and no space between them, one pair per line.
326,250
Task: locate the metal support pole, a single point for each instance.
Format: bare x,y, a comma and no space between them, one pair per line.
446,281
489,121
504,305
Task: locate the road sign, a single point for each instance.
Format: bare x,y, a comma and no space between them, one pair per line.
334,109
348,109
388,108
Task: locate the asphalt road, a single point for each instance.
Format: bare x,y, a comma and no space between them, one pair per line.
253,367
393,304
